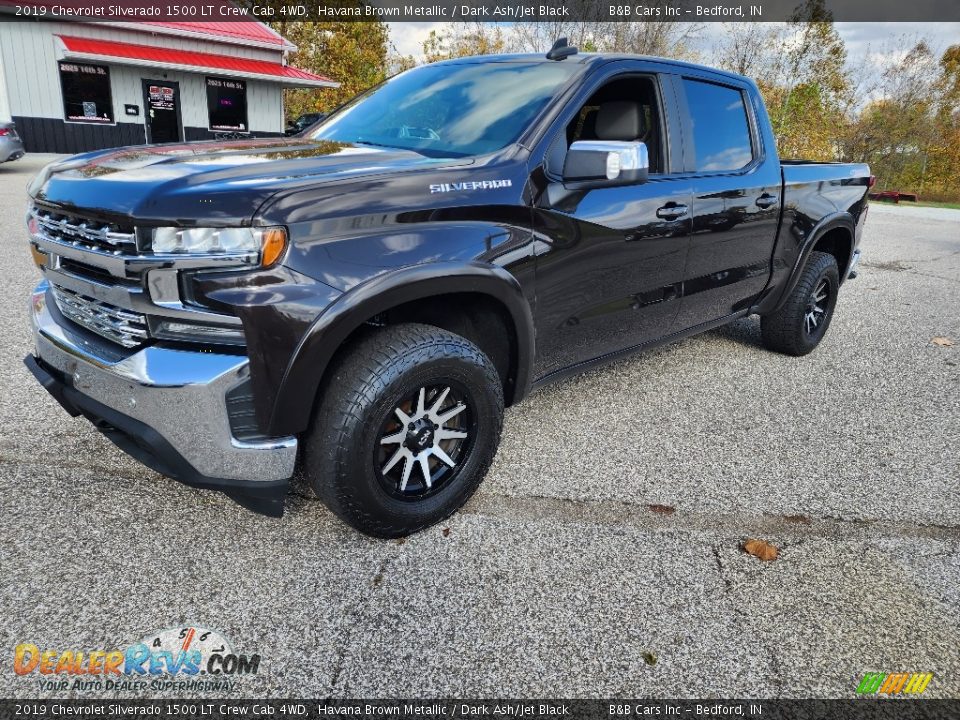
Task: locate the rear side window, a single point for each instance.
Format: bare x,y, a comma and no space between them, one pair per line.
721,133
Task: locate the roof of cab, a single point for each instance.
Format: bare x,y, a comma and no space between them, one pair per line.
588,58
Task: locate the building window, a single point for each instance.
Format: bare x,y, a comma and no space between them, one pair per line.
86,93
227,104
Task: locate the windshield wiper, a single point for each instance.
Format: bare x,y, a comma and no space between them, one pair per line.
373,144
425,152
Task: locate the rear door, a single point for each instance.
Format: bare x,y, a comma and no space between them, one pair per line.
610,261
736,199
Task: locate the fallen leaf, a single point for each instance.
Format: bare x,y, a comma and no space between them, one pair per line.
650,657
761,549
943,341
446,532
662,509
799,519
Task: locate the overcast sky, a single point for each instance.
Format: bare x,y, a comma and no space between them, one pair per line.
860,37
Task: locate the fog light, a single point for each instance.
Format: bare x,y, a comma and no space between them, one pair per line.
193,332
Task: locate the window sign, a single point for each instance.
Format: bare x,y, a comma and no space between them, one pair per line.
86,93
227,104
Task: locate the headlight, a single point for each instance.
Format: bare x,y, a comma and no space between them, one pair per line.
269,242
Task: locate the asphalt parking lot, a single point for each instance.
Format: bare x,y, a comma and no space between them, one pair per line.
601,556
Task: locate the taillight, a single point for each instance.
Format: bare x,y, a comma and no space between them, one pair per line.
4,131
872,181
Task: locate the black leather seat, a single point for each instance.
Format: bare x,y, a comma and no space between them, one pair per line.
624,120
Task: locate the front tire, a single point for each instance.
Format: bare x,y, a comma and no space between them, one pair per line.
799,326
407,425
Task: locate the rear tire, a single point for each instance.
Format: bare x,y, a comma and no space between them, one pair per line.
799,326
408,423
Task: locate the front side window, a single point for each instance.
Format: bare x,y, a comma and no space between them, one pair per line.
631,94
227,104
721,132
450,110
86,93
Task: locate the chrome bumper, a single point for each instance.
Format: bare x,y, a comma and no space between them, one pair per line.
178,394
854,263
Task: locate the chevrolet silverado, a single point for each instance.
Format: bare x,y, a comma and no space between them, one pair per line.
360,302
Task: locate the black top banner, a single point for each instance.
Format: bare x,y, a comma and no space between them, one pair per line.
507,11
449,709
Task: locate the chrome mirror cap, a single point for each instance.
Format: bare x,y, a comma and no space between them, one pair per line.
613,160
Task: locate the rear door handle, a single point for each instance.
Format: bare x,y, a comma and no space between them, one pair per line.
766,200
671,211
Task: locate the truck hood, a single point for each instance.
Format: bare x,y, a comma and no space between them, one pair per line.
222,182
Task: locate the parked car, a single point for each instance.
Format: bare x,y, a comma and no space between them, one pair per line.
303,122
11,144
366,298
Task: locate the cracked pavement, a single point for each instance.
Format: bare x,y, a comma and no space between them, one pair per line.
601,557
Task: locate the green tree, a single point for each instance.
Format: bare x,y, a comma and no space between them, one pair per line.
809,110
352,53
462,40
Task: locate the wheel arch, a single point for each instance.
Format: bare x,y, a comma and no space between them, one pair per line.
835,235
394,292
836,241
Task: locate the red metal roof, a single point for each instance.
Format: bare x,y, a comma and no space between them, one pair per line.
87,48
237,29
234,31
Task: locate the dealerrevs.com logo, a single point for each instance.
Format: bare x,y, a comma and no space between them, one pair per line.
189,658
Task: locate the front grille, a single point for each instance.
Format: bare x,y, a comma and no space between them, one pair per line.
84,232
98,275
124,327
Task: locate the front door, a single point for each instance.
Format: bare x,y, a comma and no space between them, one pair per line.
161,102
610,260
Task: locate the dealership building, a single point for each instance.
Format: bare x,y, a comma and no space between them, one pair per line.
77,86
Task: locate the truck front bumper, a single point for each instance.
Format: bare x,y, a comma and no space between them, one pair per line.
164,406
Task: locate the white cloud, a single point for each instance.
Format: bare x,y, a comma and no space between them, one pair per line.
864,37
861,38
407,37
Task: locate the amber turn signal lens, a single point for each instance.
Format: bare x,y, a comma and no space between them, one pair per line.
39,258
274,243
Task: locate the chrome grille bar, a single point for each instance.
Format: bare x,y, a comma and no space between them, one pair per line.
124,327
110,249
84,232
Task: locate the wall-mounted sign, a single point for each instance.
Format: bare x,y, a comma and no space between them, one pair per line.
131,109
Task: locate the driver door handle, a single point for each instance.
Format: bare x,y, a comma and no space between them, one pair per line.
766,200
671,211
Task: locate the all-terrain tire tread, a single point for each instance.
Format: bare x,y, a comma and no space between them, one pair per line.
354,383
782,331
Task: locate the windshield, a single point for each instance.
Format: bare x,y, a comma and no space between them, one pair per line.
450,110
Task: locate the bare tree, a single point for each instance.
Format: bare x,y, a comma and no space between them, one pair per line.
667,39
539,36
750,49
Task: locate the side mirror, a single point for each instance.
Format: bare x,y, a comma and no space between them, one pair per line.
604,163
